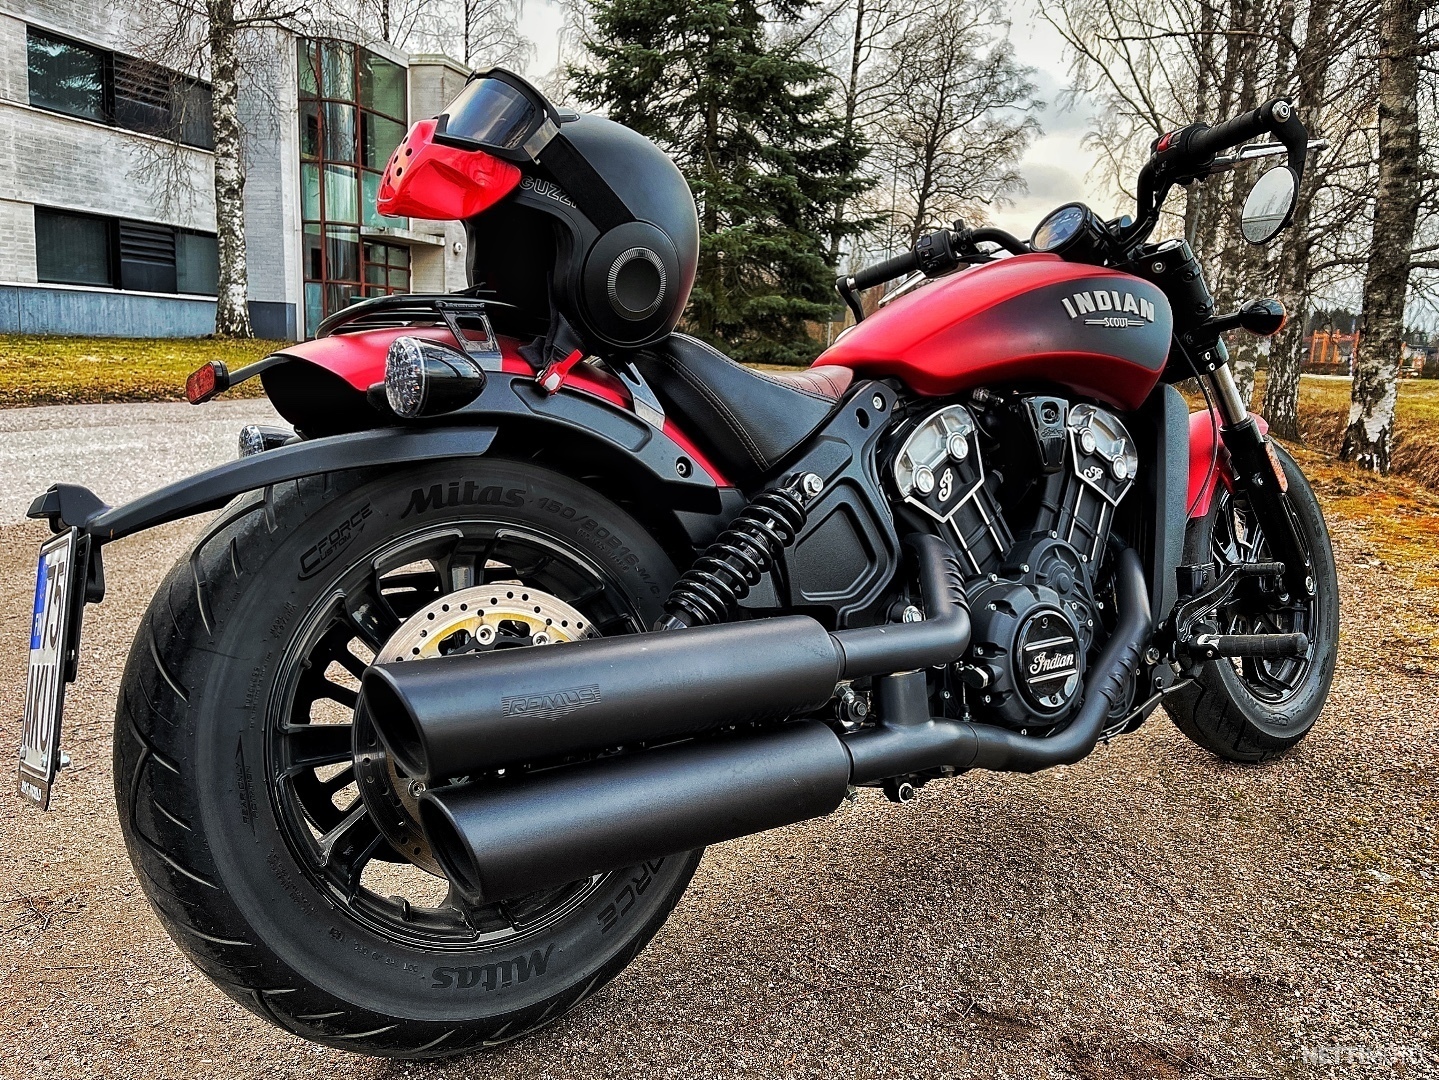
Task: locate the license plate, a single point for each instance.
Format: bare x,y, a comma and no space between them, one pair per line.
54,641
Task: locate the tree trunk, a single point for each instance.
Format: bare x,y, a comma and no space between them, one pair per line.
232,315
851,106
1286,353
1369,440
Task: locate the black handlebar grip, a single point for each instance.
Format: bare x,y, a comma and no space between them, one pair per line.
904,263
1220,137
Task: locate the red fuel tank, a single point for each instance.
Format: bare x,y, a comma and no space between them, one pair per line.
1102,333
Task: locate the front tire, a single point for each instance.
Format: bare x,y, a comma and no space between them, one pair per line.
1254,710
238,765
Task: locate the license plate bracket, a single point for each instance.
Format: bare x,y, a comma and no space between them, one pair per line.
54,655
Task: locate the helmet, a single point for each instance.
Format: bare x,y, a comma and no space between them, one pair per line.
624,243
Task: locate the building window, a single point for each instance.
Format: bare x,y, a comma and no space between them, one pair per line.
112,88
197,263
352,116
73,249
83,249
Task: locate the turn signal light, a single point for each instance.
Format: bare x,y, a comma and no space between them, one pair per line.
425,378
205,382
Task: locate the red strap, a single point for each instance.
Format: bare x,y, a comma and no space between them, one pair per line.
553,377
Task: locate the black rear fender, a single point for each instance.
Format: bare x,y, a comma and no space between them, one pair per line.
612,450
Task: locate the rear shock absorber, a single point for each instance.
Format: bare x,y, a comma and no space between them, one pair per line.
738,560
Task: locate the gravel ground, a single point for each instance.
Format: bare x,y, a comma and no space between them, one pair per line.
1149,912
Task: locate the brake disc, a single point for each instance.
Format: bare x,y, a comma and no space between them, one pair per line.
501,615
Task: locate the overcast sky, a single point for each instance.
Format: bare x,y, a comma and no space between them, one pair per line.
1056,167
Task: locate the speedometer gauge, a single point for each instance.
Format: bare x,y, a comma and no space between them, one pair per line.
1073,232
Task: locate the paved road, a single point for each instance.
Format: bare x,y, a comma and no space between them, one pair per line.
118,451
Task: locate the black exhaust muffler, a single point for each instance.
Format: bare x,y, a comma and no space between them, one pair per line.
503,838
549,828
460,715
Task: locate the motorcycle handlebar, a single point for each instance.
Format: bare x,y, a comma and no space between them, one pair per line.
1210,141
905,262
934,253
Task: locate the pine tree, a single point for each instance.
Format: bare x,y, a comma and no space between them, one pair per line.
748,122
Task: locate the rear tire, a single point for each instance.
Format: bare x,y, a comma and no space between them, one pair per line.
1240,711
223,811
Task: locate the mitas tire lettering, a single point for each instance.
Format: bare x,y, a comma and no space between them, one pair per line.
501,973
423,500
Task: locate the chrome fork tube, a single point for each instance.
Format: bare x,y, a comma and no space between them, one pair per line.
1231,402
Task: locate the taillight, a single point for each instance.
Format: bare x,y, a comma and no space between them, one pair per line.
207,381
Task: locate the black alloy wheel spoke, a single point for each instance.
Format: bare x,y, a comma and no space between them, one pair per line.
313,746
371,618
347,849
313,759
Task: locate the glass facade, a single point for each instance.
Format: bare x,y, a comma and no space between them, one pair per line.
352,116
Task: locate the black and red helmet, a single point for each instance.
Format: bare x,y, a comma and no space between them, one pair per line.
619,258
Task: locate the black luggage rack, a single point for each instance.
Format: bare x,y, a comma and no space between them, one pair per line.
457,311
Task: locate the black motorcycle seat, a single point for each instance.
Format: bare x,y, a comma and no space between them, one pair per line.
747,420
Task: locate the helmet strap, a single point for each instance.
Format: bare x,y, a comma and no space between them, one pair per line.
584,186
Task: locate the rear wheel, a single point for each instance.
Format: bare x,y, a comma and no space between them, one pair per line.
273,835
1254,709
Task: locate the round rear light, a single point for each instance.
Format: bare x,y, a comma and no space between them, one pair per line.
425,378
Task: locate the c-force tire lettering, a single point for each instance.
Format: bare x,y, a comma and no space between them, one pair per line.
205,826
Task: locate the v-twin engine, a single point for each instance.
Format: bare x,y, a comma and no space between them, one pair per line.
1032,592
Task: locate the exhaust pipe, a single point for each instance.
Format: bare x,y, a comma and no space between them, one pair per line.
459,715
498,840
907,740
502,840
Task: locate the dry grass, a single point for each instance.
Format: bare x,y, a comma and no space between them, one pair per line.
1324,414
76,370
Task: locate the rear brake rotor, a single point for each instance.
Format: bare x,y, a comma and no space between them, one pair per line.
501,615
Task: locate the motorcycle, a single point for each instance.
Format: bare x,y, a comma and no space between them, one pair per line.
423,739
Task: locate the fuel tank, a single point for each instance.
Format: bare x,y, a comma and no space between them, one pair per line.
1102,333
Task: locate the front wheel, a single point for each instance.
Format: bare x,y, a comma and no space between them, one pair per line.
1255,709
275,838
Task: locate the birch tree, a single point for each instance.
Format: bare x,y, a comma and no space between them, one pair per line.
1156,65
958,122
852,40
1369,438
490,33
221,38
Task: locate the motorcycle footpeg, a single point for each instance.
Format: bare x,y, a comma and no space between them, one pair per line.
1213,646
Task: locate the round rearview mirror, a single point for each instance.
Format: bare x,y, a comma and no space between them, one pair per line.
1270,202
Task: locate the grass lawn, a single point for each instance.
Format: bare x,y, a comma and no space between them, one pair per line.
71,371
1324,415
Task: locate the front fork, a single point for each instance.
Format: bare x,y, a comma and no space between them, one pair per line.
1259,476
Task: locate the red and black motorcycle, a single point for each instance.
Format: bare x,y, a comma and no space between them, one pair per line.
422,741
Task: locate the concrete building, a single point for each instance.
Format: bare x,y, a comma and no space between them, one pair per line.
107,217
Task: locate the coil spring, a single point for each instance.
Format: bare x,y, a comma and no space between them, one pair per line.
737,560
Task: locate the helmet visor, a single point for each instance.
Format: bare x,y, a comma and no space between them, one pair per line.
495,114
